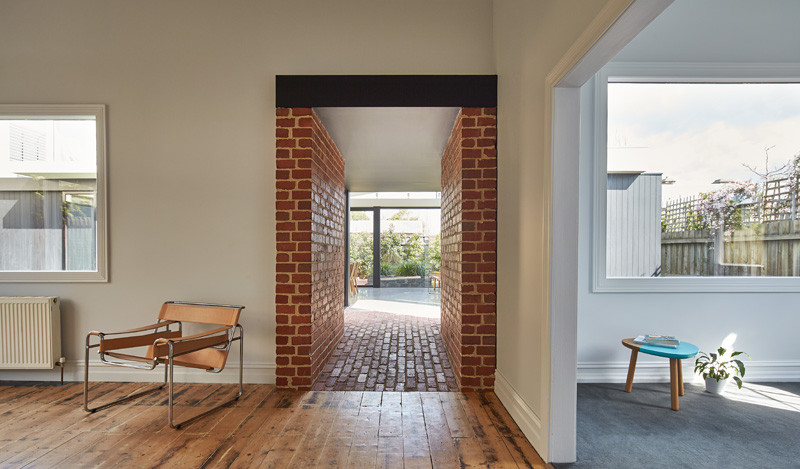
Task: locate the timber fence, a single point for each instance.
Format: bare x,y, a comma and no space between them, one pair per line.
768,244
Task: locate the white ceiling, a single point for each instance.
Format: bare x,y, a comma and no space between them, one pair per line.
395,149
734,31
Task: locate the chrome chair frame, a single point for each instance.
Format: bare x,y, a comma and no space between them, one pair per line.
168,361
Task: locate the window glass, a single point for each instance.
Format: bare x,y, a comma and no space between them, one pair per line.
703,180
49,197
361,245
410,244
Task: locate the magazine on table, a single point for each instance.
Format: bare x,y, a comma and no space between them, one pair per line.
667,341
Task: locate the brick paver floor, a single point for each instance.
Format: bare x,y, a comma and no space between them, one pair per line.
388,352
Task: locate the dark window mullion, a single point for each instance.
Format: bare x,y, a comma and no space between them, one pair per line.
376,247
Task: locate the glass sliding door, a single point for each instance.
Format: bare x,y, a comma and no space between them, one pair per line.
400,250
409,246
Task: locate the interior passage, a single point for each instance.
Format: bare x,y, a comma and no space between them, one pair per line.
388,352
395,345
44,426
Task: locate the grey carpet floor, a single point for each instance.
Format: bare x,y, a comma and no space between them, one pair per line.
755,427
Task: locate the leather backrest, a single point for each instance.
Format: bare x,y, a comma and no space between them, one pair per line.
227,315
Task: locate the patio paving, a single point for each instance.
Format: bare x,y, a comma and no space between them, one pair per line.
395,347
422,302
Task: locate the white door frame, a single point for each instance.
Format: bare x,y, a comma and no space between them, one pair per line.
615,26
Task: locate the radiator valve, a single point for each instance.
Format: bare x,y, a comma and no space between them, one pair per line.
61,362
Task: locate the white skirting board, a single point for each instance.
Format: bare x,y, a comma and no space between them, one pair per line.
658,372
525,418
255,373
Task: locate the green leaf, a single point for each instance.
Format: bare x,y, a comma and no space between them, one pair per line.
721,351
738,381
736,353
741,367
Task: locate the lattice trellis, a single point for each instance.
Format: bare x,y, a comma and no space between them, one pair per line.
778,202
681,215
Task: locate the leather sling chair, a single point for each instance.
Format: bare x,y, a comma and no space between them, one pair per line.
207,351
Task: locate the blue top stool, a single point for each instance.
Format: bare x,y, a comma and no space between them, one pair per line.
675,355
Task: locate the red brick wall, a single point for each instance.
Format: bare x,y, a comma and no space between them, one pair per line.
451,248
309,214
469,249
327,248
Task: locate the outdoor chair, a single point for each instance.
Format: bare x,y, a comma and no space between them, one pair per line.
436,280
207,350
354,277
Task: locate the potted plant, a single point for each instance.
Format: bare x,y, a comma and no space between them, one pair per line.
718,369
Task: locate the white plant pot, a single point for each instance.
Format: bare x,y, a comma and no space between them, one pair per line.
716,387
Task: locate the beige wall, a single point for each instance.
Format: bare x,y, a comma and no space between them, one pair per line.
190,92
189,86
529,40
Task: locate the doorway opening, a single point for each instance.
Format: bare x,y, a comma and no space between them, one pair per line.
314,194
394,252
392,324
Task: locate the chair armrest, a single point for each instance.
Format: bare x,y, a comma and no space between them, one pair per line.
183,345
191,337
117,343
138,329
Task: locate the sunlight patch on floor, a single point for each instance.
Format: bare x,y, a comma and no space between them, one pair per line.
767,396
398,307
417,302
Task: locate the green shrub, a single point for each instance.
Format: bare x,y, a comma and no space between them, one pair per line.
401,247
411,269
361,251
434,254
405,254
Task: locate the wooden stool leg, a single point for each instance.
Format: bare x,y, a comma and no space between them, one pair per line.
631,370
673,382
680,377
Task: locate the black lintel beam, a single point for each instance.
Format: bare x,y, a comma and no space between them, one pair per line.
386,91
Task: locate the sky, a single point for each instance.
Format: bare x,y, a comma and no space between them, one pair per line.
697,133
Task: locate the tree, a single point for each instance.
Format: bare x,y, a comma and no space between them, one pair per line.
435,253
403,214
361,251
789,170
722,209
401,247
777,171
359,215
794,175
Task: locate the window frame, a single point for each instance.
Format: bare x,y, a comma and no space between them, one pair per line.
65,111
625,72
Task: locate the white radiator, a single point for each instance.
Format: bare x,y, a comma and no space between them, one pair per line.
30,333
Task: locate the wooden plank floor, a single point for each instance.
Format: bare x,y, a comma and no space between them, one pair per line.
45,426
